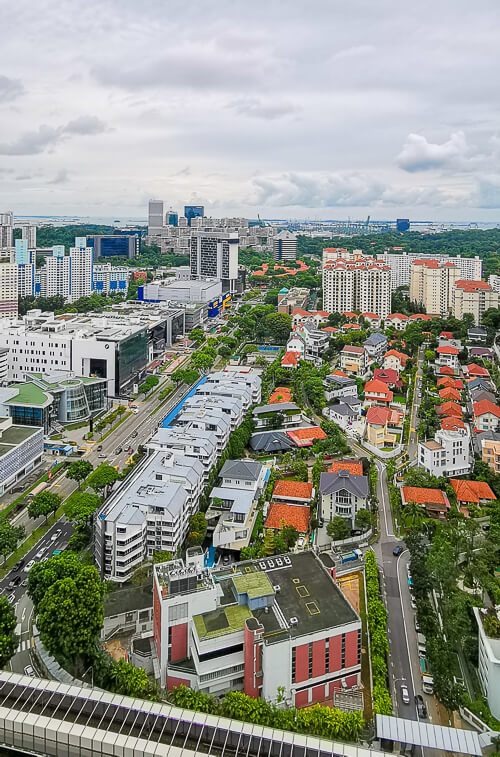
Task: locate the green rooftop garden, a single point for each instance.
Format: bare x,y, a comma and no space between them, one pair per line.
221,621
253,585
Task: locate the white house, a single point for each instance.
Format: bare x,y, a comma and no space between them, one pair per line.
449,454
338,386
489,665
342,494
375,346
344,413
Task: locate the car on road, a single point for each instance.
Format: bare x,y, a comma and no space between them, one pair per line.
405,696
55,536
134,434
99,447
118,451
14,582
421,708
29,566
41,553
28,671
11,598
11,584
397,550
412,602
135,412
18,565
101,455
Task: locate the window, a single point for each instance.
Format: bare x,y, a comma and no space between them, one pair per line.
178,612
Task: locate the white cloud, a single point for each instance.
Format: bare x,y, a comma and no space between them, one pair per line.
268,110
420,155
10,89
47,137
315,190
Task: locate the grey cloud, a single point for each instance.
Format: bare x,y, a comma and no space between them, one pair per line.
267,110
316,190
10,89
420,155
47,137
61,177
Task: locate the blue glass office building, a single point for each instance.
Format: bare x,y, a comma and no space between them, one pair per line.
193,211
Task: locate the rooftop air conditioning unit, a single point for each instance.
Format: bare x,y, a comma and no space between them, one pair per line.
277,588
294,621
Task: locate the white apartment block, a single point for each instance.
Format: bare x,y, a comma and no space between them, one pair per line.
400,265
108,279
81,262
26,268
489,665
357,285
449,454
238,378
196,443
432,284
285,247
70,276
206,419
494,282
474,297
214,254
8,288
230,407
6,230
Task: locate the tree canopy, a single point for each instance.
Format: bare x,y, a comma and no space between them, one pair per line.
44,504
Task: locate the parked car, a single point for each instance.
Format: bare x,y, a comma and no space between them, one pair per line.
421,708
25,582
130,450
28,671
412,602
405,696
101,455
134,434
29,566
55,536
118,451
397,550
225,560
18,565
300,542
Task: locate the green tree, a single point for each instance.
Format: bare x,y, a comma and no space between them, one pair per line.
80,508
197,335
130,681
299,468
338,528
162,556
364,519
70,616
279,326
8,639
197,529
103,476
43,574
44,504
79,470
10,536
186,375
414,515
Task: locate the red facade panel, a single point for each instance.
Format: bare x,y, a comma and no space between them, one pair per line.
251,662
351,680
318,693
335,653
172,682
157,621
301,698
178,649
351,649
302,663
318,653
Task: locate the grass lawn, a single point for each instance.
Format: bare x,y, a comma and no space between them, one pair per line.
399,399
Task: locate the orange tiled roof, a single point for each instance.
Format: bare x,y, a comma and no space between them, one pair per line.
452,424
448,393
280,394
485,406
354,467
477,370
378,387
394,353
424,496
303,437
446,370
472,286
339,373
420,317
447,350
293,489
292,515
401,316
450,408
451,382
471,491
290,358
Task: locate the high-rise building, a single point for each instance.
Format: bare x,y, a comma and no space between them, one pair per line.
6,230
28,234
55,276
172,218
110,279
402,224
8,285
474,297
81,269
285,247
26,268
108,245
155,217
400,264
432,284
215,255
193,211
357,285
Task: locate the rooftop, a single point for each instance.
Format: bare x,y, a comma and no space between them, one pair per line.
294,489
334,481
350,348
281,514
353,466
254,585
471,491
29,394
447,350
424,496
221,621
485,406
303,437
248,470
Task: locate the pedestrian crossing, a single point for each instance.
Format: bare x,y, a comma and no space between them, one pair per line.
23,646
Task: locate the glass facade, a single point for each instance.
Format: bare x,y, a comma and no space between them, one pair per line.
193,211
30,416
131,358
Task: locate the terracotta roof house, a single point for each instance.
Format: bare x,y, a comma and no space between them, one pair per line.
450,409
353,359
355,467
395,360
290,360
446,370
350,315
453,383
280,394
435,501
398,320
304,437
472,492
280,515
420,317
383,426
329,330
378,392
446,349
389,376
475,371
447,355
446,335
293,492
486,416
452,424
449,394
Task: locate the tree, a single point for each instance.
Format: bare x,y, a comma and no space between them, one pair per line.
197,335
70,616
43,574
130,681
103,476
414,515
186,375
197,529
162,556
44,504
79,470
279,326
8,639
364,519
80,508
224,351
338,528
299,468
10,536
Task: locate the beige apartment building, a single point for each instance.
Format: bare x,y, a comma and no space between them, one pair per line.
358,285
473,297
432,284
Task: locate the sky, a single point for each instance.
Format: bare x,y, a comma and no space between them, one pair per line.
287,109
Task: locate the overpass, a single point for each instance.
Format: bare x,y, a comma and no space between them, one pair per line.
43,717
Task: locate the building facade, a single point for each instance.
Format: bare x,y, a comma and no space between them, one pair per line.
432,285
474,297
401,263
22,451
449,454
215,255
285,247
357,285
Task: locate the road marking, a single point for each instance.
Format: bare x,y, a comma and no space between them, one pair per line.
23,615
23,646
405,628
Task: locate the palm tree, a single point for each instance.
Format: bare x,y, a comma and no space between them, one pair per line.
414,515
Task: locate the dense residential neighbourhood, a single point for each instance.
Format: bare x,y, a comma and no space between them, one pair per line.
256,490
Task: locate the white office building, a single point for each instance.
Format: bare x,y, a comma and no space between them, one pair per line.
181,290
400,265
214,254
448,454
285,247
156,217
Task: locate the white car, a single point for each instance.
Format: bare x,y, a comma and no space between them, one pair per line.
28,567
55,536
40,553
405,696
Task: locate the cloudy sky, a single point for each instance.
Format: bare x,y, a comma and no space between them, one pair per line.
287,108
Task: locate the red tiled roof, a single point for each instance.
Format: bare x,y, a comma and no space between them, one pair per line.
472,286
388,375
280,394
354,467
446,370
290,358
485,406
303,437
452,424
354,326
446,334
449,394
447,350
352,348
370,316
378,415
339,373
427,263
424,496
476,370
401,316
378,387
453,383
298,489
330,329
471,491
394,353
420,317
292,515
350,315
322,313
450,408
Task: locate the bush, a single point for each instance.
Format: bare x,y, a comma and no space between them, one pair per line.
379,645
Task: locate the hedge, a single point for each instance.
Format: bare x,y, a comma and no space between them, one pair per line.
379,645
